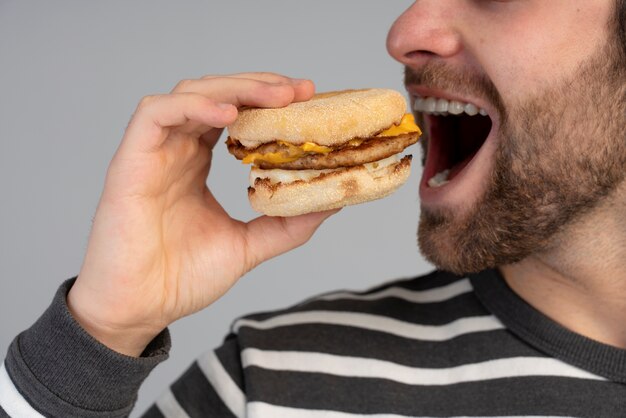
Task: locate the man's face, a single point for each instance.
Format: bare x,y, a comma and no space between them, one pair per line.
548,74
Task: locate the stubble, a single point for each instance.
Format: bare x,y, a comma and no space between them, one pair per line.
559,155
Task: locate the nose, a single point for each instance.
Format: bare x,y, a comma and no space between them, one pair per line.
426,30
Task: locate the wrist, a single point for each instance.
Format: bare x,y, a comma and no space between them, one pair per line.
103,324
65,372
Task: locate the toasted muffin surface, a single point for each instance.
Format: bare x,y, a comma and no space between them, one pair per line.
327,119
331,190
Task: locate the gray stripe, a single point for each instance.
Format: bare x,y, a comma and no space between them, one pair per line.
510,396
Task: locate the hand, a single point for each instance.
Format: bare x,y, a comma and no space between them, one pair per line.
161,246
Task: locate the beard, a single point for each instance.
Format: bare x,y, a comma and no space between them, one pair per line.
560,154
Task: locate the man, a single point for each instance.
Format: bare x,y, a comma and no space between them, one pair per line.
535,213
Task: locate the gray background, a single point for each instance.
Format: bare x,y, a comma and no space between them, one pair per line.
71,74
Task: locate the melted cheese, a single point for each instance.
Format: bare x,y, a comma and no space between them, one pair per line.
271,157
293,152
319,149
406,125
356,142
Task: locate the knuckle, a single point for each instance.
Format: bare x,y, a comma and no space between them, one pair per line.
270,74
183,85
200,100
146,101
271,87
277,78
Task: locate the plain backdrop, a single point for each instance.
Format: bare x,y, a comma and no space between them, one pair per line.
71,74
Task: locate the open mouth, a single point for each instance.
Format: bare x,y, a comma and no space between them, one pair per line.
456,132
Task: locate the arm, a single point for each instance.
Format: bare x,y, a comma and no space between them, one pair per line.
55,368
161,247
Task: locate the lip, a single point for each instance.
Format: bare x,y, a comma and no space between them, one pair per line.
471,181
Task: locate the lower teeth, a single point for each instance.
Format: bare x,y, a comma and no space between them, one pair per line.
439,179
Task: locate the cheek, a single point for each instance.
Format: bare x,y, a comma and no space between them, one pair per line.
527,50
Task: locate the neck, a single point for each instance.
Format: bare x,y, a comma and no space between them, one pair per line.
580,281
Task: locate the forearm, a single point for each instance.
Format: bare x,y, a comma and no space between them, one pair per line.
58,369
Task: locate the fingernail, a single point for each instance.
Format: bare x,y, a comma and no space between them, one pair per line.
224,106
299,80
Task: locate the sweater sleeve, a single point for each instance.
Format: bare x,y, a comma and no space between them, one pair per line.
56,369
213,386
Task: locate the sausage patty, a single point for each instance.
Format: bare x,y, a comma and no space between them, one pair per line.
371,149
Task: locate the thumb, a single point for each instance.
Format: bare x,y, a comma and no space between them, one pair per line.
269,236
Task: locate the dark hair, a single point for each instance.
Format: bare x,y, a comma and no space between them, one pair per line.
620,23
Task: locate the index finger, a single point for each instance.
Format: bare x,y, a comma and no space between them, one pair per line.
265,76
302,85
248,92
155,115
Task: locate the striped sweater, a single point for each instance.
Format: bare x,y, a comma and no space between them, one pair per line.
435,346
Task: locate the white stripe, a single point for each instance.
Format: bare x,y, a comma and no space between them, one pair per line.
379,323
380,369
169,406
262,409
12,401
438,294
225,387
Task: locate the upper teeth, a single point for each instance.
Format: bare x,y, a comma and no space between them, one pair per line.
443,107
